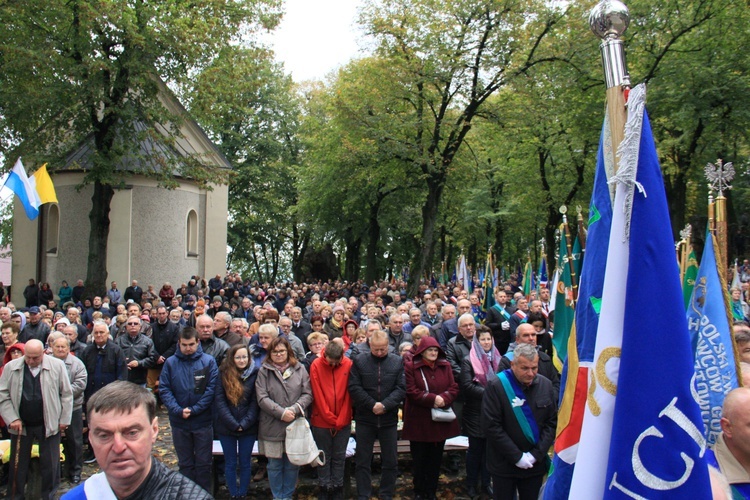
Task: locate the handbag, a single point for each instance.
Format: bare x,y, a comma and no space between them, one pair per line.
299,445
439,414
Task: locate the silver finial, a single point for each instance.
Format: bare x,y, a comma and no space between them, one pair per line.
719,175
609,19
687,232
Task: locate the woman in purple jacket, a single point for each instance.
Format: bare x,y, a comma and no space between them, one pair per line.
429,384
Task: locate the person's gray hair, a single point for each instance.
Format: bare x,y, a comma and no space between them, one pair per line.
465,318
741,337
297,309
374,322
269,329
224,316
415,309
121,396
527,351
56,335
244,322
99,322
379,336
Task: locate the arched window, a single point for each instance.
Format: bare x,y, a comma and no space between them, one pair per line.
53,229
191,234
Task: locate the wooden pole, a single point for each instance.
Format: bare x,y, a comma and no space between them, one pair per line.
720,214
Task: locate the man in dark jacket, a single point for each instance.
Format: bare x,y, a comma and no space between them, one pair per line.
128,468
138,349
35,328
446,329
104,360
377,388
223,330
498,319
396,334
76,346
79,292
526,334
31,294
187,386
459,346
518,461
134,293
210,345
164,336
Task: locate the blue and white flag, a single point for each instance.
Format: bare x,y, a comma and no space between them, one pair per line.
19,183
575,376
464,276
711,340
641,434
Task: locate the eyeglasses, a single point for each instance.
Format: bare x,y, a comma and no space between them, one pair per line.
279,352
133,324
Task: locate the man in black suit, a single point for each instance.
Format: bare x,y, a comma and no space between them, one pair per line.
300,327
134,292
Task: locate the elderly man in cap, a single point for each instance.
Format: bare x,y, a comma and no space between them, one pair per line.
35,328
36,401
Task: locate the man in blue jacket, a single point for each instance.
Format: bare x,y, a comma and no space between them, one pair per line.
187,386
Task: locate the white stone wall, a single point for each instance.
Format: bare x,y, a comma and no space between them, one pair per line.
147,238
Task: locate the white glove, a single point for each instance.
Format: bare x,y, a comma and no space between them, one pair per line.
526,462
505,325
530,457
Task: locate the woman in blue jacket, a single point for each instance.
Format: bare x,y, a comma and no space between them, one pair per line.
237,417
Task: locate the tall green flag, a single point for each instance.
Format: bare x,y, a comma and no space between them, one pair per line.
489,295
564,307
528,279
688,282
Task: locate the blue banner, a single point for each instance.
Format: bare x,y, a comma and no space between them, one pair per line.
711,339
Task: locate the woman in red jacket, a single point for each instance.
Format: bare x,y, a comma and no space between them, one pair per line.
429,384
331,416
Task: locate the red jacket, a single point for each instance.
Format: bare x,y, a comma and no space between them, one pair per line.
332,405
418,423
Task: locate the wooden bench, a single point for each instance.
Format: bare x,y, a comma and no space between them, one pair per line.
402,448
459,443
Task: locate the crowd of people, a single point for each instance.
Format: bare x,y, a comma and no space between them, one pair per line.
237,362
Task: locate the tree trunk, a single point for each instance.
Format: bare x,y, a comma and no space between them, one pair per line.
499,235
371,259
429,219
676,191
96,271
472,257
351,266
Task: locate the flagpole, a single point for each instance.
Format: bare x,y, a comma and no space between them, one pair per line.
608,20
687,247
568,245
719,175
